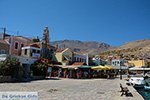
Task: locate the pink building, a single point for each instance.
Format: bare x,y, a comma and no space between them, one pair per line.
16,43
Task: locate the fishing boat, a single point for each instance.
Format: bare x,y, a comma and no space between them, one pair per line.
137,82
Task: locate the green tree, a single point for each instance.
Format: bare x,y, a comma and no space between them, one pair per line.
36,40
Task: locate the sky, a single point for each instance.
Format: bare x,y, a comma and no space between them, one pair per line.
114,22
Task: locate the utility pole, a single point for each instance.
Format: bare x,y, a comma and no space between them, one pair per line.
4,33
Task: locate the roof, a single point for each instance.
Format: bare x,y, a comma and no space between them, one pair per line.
4,41
32,45
59,50
118,59
25,38
85,66
81,53
78,63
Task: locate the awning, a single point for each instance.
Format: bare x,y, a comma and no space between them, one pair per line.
109,67
138,68
100,67
85,66
67,57
73,66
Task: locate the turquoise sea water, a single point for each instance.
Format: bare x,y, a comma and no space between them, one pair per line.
144,93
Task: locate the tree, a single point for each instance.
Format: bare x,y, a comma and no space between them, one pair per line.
36,40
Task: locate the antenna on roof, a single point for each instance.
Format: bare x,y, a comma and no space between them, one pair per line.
17,33
57,46
4,33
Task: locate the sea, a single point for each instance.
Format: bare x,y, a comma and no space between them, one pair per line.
145,94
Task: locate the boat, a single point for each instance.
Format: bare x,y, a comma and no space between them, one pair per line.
137,82
147,87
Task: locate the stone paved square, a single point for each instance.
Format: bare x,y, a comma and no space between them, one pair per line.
70,89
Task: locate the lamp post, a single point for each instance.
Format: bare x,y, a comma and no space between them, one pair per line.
120,74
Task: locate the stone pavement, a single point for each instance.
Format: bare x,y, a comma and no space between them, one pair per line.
74,89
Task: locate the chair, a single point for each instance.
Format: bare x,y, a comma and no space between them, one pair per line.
124,90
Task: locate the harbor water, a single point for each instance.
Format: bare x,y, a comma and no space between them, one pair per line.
145,94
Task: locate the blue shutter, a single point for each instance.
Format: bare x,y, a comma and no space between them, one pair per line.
43,50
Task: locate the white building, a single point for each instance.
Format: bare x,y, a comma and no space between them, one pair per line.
81,57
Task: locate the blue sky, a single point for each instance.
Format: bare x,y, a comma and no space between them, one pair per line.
110,21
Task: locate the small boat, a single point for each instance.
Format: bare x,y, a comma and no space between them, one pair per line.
137,82
147,87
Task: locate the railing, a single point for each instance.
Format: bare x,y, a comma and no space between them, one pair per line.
35,55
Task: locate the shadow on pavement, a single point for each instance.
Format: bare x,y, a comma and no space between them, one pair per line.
29,80
129,94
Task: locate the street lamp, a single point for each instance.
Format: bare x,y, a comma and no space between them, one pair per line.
120,74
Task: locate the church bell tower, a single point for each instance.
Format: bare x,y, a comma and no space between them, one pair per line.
46,35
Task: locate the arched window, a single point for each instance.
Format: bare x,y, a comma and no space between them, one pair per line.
16,45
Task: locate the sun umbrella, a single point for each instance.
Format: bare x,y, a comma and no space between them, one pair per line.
109,67
100,67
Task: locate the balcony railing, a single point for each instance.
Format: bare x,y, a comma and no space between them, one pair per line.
35,55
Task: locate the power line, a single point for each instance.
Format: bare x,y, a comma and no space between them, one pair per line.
16,33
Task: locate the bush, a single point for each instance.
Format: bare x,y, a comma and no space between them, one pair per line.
10,66
40,67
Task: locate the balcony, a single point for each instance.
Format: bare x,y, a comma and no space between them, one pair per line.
35,55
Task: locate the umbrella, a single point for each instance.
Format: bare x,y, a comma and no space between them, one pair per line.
99,67
109,67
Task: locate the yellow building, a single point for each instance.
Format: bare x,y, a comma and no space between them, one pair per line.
138,63
64,56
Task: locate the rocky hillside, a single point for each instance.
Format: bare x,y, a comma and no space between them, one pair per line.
91,47
136,48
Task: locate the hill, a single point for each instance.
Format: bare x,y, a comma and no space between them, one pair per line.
91,47
134,48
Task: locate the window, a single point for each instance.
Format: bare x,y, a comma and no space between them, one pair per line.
74,58
25,52
118,62
2,51
16,45
33,50
77,59
113,63
22,45
38,51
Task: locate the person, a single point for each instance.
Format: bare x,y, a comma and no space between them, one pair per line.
77,74
80,74
108,74
146,84
31,74
128,75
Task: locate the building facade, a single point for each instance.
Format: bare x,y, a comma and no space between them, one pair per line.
32,51
138,63
81,57
64,56
117,62
4,47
